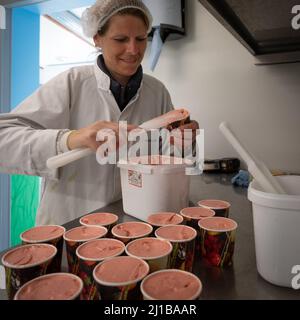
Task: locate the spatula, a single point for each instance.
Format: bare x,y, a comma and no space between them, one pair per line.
256,167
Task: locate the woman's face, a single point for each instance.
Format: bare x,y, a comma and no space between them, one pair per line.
123,46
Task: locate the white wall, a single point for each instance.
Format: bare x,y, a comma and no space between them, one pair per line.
213,75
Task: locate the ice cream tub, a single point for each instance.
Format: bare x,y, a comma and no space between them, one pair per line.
220,207
54,286
160,219
217,241
104,219
119,278
25,263
192,215
51,234
171,284
75,237
156,252
89,254
182,239
128,231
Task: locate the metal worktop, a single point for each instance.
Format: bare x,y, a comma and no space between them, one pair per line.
241,281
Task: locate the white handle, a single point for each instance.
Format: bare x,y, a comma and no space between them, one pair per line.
256,167
262,167
245,155
67,157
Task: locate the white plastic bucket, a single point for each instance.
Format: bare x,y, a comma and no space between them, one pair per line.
276,219
148,189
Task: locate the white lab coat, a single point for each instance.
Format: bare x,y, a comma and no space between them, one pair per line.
72,100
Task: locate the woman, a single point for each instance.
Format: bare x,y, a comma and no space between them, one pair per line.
68,111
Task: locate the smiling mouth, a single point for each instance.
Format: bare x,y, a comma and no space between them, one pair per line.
130,61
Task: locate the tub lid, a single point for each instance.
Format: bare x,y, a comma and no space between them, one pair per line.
154,163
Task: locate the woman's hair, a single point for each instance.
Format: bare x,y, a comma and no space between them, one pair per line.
130,12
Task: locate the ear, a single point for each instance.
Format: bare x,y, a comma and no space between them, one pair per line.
97,40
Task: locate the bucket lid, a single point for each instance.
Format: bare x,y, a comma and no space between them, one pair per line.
290,201
156,163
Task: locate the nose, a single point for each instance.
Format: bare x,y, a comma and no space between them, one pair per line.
132,47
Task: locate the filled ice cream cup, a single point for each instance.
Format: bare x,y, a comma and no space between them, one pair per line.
217,240
54,286
119,278
75,237
104,219
156,252
192,215
89,254
160,219
220,207
183,241
128,231
171,284
25,263
51,234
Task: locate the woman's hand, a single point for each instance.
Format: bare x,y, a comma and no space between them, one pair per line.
86,137
188,139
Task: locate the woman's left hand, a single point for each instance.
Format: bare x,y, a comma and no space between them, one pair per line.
185,135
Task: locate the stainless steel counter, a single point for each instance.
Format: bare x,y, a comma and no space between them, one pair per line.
241,281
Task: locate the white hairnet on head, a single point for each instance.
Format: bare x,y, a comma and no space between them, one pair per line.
95,17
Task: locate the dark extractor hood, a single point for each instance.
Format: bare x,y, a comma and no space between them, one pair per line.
269,29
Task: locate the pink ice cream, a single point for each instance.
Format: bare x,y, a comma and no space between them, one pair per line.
164,218
214,204
121,270
168,120
42,233
171,285
217,224
131,229
99,218
84,233
176,233
149,248
27,255
100,249
56,286
197,212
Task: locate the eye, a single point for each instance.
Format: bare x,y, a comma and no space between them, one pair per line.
120,39
141,39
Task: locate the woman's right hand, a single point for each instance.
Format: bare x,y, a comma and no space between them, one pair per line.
86,137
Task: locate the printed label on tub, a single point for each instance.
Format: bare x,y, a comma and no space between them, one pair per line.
135,178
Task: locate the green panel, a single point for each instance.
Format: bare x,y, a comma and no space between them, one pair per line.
24,81
24,203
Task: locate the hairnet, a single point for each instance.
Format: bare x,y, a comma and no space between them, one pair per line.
95,17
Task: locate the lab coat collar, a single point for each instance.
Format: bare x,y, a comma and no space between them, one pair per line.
103,80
